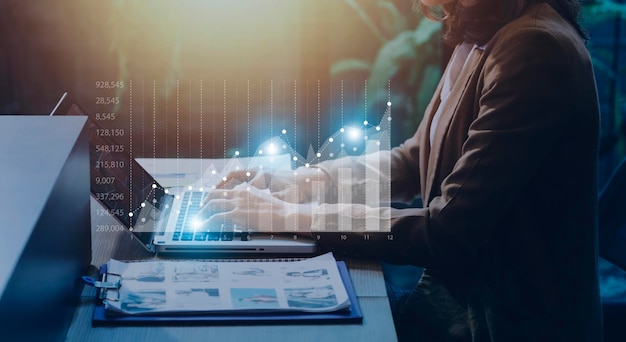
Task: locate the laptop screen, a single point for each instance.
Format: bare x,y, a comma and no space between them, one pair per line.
118,182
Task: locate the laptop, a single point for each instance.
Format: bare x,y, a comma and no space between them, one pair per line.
161,221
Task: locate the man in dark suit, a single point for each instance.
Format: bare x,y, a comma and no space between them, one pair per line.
505,163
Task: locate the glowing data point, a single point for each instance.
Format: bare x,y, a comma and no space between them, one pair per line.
295,158
224,194
154,186
154,200
331,139
143,220
177,196
331,154
143,204
284,131
130,214
389,118
308,180
260,151
318,154
306,164
365,123
388,104
167,191
236,153
354,149
190,188
224,179
201,189
272,149
378,128
342,145
342,130
248,189
248,174
354,133
213,172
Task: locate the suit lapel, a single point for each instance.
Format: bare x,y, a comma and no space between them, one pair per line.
448,111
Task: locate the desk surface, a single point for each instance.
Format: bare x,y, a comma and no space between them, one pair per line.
366,275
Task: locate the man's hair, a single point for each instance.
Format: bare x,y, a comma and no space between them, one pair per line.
478,23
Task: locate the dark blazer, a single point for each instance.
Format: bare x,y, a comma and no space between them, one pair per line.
508,231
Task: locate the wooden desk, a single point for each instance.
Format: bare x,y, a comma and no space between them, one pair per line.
366,275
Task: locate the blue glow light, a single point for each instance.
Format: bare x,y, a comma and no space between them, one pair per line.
272,149
354,133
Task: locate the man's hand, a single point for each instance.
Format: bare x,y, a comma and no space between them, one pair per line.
257,209
287,185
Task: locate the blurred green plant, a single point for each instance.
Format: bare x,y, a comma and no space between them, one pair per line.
409,59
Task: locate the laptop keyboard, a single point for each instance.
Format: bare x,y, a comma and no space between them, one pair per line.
187,228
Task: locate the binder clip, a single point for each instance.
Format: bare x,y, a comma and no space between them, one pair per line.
104,285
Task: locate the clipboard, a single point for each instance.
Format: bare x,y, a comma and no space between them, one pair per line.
353,315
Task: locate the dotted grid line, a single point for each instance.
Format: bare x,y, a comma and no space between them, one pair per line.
189,116
143,116
177,131
341,109
284,110
143,124
154,111
224,121
341,222
319,133
365,151
284,98
295,141
271,108
236,116
388,142
271,134
166,117
130,147
295,112
354,102
248,118
319,113
212,117
248,139
201,114
260,100
365,99
365,118
306,114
